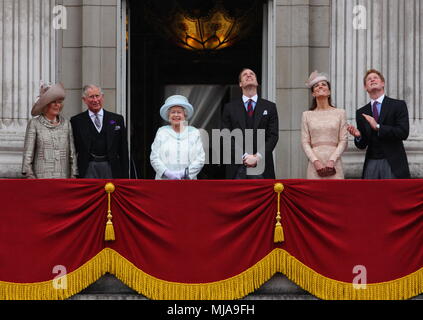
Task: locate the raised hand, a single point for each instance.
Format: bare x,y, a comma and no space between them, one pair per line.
353,131
371,121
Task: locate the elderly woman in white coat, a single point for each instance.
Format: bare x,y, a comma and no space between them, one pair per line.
177,151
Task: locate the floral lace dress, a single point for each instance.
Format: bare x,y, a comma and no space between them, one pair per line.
324,137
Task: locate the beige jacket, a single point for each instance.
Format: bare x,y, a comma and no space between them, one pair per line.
49,151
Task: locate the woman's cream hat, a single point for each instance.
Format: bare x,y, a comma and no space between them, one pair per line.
48,94
316,77
176,100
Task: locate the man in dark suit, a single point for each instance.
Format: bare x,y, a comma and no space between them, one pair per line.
257,119
382,125
100,139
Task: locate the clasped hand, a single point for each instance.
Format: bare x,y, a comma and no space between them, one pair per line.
250,160
325,171
174,175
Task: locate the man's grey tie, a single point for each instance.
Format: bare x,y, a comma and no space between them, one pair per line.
97,122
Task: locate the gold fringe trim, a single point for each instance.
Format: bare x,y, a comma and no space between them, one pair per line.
75,282
330,289
228,289
235,287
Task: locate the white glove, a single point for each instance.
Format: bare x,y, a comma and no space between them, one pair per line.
172,175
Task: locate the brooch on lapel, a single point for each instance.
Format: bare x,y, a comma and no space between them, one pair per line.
117,128
265,113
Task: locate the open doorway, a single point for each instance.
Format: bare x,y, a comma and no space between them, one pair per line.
159,68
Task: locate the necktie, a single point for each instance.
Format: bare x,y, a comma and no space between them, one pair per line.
97,121
375,113
250,109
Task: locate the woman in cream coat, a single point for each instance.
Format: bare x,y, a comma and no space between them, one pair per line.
177,151
49,152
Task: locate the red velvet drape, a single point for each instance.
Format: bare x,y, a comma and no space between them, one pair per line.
205,231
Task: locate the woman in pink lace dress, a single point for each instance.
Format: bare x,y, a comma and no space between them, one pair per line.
323,132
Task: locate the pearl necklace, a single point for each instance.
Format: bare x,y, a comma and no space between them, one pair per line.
55,121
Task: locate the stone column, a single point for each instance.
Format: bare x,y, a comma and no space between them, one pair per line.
302,45
27,55
89,51
385,35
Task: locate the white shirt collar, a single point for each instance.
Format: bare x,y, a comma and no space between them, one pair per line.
92,114
379,100
245,98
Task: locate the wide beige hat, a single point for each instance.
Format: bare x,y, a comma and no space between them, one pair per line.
48,94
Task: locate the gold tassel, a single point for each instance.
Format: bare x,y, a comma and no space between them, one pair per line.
279,236
110,231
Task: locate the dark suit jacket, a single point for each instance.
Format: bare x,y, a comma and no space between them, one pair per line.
394,128
117,145
265,117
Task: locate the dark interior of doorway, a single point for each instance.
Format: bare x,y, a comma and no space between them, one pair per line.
156,61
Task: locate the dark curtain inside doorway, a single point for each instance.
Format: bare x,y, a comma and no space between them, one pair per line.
159,68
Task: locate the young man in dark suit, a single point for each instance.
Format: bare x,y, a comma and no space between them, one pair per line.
100,139
382,126
260,118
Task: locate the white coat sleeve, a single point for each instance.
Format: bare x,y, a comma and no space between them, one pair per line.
157,164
